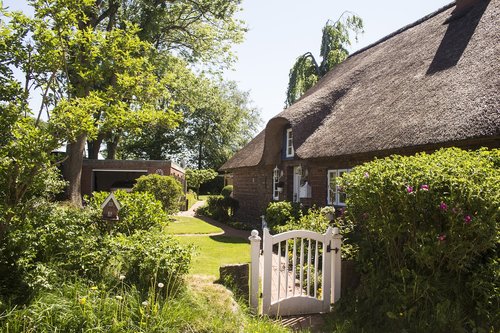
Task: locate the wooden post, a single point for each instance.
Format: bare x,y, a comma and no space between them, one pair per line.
327,270
254,276
336,266
268,268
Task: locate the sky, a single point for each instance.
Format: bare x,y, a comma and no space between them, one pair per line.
282,30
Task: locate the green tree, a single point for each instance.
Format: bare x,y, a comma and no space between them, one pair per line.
97,72
218,119
336,38
195,177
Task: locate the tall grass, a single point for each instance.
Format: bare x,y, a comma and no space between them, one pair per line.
79,307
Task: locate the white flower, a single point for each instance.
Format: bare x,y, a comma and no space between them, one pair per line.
145,303
161,285
118,297
122,277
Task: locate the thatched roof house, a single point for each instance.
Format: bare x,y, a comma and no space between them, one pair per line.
431,84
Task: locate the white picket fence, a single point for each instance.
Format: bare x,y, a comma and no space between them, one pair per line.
300,271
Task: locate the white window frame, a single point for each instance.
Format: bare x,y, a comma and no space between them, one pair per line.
276,194
333,195
289,152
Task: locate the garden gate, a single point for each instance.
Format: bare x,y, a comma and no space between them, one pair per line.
300,271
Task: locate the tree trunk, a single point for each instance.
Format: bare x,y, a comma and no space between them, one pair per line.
200,151
94,147
73,170
112,145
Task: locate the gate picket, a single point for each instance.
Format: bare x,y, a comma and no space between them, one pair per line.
308,255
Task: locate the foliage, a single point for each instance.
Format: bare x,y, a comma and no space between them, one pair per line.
149,257
82,306
166,189
51,241
427,230
227,191
139,211
195,177
280,213
313,220
219,208
336,38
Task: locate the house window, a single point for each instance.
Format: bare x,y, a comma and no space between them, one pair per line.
335,196
277,184
289,143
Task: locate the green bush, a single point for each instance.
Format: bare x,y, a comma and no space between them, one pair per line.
428,234
52,241
139,211
165,189
219,208
149,257
280,213
226,191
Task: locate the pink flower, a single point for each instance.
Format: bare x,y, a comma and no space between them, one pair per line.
443,206
441,237
467,219
367,175
409,189
424,187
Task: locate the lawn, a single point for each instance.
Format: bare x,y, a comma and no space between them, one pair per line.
211,252
190,225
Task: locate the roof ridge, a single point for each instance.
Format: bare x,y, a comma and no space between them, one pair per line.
403,29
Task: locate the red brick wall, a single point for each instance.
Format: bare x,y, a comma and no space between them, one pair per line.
151,167
252,187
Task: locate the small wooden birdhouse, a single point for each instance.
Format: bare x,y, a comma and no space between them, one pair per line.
110,208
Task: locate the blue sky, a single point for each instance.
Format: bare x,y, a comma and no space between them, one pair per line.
282,30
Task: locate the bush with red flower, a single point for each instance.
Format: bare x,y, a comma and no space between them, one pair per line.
427,227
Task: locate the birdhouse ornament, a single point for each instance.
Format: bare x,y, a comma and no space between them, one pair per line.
110,208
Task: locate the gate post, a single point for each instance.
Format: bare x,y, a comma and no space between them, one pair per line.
254,276
336,265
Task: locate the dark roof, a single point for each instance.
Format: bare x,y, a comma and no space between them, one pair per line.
429,83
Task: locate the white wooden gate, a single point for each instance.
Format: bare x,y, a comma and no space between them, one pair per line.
300,272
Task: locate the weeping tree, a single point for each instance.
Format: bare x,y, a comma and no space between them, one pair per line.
336,38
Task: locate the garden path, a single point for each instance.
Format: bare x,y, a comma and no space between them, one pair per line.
313,323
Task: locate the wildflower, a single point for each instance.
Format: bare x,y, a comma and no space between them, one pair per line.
122,277
367,175
467,219
93,288
118,297
82,300
409,189
443,206
145,303
161,285
424,187
442,237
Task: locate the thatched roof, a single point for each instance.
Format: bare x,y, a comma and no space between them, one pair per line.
432,82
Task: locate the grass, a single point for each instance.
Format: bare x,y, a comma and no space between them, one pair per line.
190,225
211,252
191,198
204,197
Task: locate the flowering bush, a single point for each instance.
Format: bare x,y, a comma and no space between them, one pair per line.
428,231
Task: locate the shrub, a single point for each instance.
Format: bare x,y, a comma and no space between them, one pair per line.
219,208
165,189
280,213
148,257
139,211
427,229
226,191
52,241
